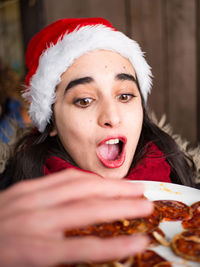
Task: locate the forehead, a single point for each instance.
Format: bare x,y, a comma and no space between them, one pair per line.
99,62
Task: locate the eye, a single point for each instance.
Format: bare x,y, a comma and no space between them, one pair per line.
83,102
124,98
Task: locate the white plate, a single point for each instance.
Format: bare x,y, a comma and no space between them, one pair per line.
168,191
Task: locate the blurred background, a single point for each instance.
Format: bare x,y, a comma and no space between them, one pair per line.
168,31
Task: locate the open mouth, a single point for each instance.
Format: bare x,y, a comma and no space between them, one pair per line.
111,152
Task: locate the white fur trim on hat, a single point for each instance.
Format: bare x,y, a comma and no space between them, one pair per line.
55,60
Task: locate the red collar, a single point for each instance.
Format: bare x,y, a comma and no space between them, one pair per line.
153,167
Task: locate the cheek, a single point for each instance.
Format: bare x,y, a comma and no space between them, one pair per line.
74,128
134,131
134,120
73,140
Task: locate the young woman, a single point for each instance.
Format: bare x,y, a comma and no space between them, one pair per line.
87,86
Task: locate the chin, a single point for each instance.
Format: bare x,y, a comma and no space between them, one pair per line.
114,173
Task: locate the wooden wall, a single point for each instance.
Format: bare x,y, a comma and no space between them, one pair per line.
11,44
168,32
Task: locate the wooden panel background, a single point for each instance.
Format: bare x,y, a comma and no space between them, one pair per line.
168,32
11,44
198,68
113,10
31,19
182,65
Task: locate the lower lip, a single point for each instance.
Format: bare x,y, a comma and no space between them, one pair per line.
113,163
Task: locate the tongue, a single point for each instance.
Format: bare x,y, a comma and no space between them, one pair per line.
109,152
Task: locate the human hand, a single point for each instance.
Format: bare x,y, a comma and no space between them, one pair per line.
36,213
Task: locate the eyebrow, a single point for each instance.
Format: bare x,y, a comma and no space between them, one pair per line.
85,80
125,76
75,82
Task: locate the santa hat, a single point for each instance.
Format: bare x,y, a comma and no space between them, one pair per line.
54,49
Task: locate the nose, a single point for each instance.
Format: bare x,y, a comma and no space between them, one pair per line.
109,115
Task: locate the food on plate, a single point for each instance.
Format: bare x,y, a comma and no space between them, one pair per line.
123,227
157,236
187,244
149,258
172,210
194,220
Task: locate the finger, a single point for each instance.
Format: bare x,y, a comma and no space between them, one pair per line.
41,182
85,188
28,186
51,252
89,212
76,189
94,249
56,221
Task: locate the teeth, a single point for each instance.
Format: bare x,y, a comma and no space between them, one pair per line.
112,141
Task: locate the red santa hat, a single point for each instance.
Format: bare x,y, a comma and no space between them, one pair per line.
54,49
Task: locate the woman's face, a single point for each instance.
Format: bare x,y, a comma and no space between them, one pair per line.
98,113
